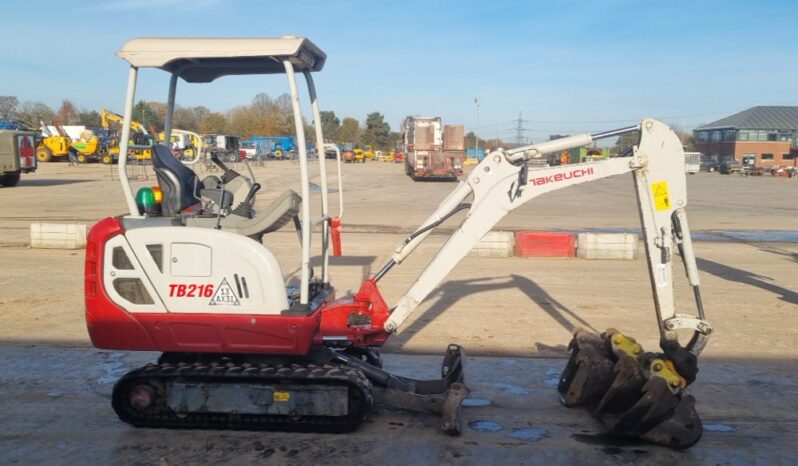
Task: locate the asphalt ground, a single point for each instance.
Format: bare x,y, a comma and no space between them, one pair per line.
513,315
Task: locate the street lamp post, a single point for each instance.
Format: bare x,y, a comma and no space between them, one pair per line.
477,100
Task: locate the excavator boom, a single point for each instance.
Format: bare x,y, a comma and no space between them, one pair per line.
107,117
502,183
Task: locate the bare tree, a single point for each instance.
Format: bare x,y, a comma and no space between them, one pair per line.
8,106
67,114
33,112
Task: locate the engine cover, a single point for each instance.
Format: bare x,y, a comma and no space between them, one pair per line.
172,288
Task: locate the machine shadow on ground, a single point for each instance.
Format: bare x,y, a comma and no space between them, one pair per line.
747,278
778,251
50,182
450,293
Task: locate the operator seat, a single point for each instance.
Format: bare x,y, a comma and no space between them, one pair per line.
179,184
182,188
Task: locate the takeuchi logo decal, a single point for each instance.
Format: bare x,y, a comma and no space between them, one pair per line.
557,177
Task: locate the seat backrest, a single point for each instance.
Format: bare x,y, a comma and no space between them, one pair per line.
179,184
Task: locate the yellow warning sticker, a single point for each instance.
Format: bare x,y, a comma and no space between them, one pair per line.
282,396
662,200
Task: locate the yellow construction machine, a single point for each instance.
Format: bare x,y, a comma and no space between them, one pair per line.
52,145
140,136
368,153
96,146
360,156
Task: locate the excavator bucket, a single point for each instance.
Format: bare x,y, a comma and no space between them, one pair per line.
634,393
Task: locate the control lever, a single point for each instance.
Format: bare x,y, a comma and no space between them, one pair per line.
228,174
244,209
216,160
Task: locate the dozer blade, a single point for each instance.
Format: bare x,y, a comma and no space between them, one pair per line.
442,396
633,393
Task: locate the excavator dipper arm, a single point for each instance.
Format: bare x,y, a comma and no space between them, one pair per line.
633,392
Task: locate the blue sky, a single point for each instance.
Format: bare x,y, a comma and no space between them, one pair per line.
569,66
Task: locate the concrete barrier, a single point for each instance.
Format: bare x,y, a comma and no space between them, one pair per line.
58,235
494,244
544,244
619,246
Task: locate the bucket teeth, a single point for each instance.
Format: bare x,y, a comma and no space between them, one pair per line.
681,430
612,377
587,375
625,388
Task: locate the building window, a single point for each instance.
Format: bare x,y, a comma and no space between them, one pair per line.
703,136
755,135
716,136
742,135
767,156
773,136
729,135
788,157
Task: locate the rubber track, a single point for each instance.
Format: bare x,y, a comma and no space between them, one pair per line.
158,375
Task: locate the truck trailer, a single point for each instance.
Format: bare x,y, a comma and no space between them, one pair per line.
432,151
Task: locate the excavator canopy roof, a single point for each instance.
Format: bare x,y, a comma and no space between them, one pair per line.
201,60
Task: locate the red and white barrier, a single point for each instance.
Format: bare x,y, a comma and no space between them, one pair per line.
618,246
544,244
494,244
57,235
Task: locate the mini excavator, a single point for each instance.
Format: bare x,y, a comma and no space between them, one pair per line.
185,273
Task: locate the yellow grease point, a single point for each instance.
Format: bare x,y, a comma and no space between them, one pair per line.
665,370
621,342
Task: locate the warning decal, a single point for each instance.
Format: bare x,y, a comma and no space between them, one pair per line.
662,200
224,295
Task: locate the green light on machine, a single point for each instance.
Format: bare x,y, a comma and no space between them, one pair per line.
147,201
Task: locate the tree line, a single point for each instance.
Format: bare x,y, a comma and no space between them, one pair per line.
34,112
264,116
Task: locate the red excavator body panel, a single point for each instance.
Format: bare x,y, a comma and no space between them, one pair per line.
112,327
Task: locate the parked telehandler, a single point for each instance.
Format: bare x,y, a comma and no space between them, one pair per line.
52,145
189,277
